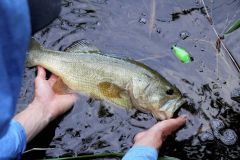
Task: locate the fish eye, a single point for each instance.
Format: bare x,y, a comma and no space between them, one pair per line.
170,92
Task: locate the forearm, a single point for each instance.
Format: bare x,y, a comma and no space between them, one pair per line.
147,143
46,106
33,119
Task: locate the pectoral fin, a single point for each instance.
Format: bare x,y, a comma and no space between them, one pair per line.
115,94
109,89
61,88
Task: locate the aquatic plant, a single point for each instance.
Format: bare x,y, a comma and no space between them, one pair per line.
233,27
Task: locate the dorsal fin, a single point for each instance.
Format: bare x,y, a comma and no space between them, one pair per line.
82,46
34,45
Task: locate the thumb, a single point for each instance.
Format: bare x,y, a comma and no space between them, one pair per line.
71,98
41,73
169,126
64,103
67,100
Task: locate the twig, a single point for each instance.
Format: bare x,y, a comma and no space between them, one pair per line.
152,16
37,149
223,45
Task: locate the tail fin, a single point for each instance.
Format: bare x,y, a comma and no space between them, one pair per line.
34,45
32,57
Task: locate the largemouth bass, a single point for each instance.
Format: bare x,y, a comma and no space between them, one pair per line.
125,82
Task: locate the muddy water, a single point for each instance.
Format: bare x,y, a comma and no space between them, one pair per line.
132,29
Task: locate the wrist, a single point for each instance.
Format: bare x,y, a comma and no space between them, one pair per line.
38,107
149,138
33,119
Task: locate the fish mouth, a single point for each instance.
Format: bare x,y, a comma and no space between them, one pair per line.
180,102
171,106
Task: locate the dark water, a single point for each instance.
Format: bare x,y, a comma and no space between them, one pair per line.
125,28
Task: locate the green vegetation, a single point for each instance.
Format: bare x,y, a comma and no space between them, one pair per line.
234,27
105,155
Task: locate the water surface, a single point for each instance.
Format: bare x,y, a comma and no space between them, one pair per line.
131,29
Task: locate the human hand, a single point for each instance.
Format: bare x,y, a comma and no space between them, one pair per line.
155,136
46,105
52,104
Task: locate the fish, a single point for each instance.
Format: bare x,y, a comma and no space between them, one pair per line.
83,68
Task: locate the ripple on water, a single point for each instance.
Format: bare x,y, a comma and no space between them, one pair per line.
206,136
229,137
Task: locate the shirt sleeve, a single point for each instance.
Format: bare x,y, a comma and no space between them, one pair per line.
14,38
139,152
13,143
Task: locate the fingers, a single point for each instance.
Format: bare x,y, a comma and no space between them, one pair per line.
53,78
41,73
66,102
174,124
72,97
156,135
169,126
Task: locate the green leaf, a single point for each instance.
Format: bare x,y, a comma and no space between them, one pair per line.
181,54
234,27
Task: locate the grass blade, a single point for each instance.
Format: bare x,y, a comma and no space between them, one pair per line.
234,27
91,156
105,155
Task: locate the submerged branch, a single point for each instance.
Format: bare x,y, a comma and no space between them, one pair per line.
152,16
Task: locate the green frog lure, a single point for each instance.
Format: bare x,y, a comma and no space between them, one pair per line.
182,54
